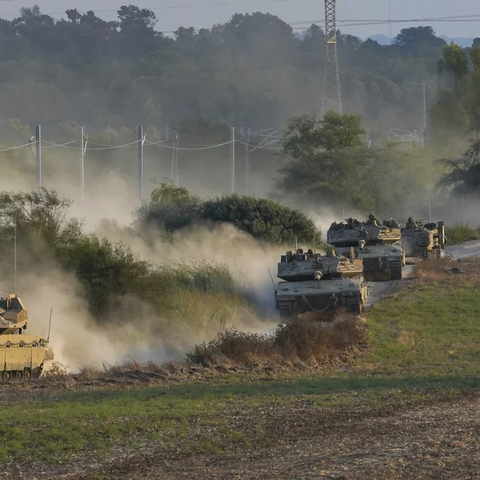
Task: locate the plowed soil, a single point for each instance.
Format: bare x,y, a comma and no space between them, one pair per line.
435,438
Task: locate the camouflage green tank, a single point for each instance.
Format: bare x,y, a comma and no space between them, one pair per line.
424,240
21,355
319,284
377,244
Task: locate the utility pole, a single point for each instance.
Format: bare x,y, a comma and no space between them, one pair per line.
174,166
232,158
38,154
390,19
83,148
141,141
424,137
332,92
247,161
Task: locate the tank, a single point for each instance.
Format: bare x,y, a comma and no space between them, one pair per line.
377,244
423,240
21,355
319,284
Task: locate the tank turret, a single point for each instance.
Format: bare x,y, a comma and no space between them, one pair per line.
319,284
13,315
21,355
298,267
422,239
376,243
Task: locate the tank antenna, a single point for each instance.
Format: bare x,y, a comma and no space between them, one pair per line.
15,258
296,244
49,324
271,278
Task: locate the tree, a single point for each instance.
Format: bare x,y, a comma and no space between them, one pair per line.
416,41
463,175
170,208
39,219
305,135
454,64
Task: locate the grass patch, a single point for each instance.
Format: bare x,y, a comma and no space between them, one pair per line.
461,232
431,328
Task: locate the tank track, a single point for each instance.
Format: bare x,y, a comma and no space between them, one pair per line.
25,374
396,270
354,305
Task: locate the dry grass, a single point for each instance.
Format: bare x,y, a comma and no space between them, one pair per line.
311,343
304,340
435,269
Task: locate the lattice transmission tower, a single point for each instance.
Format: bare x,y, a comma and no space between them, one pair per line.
332,92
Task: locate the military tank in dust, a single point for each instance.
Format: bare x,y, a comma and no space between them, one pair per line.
21,355
377,244
319,284
423,240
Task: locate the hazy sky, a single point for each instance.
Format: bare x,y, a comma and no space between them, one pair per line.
201,13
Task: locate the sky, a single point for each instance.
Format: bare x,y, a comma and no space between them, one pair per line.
201,13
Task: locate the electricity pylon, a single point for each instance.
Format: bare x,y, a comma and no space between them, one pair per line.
332,92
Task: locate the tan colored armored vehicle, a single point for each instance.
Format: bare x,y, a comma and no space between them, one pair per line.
319,284
424,240
378,245
21,355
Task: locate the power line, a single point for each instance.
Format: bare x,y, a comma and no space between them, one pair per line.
174,7
209,147
107,147
26,145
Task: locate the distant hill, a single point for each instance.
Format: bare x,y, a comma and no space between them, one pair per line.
462,41
382,39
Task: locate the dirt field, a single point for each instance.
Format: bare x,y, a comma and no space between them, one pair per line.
407,408
437,440
435,437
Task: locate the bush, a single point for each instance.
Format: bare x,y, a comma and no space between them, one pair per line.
171,209
300,340
461,232
263,219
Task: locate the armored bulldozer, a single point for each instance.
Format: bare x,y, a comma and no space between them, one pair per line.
21,355
319,284
377,244
423,240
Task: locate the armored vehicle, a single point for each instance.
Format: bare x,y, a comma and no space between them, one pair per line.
319,284
377,244
21,355
424,240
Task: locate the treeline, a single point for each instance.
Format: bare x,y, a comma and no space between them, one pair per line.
252,71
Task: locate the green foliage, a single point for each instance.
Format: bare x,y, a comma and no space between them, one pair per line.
381,179
454,64
306,135
463,174
40,224
461,232
172,208
265,220
456,111
203,296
